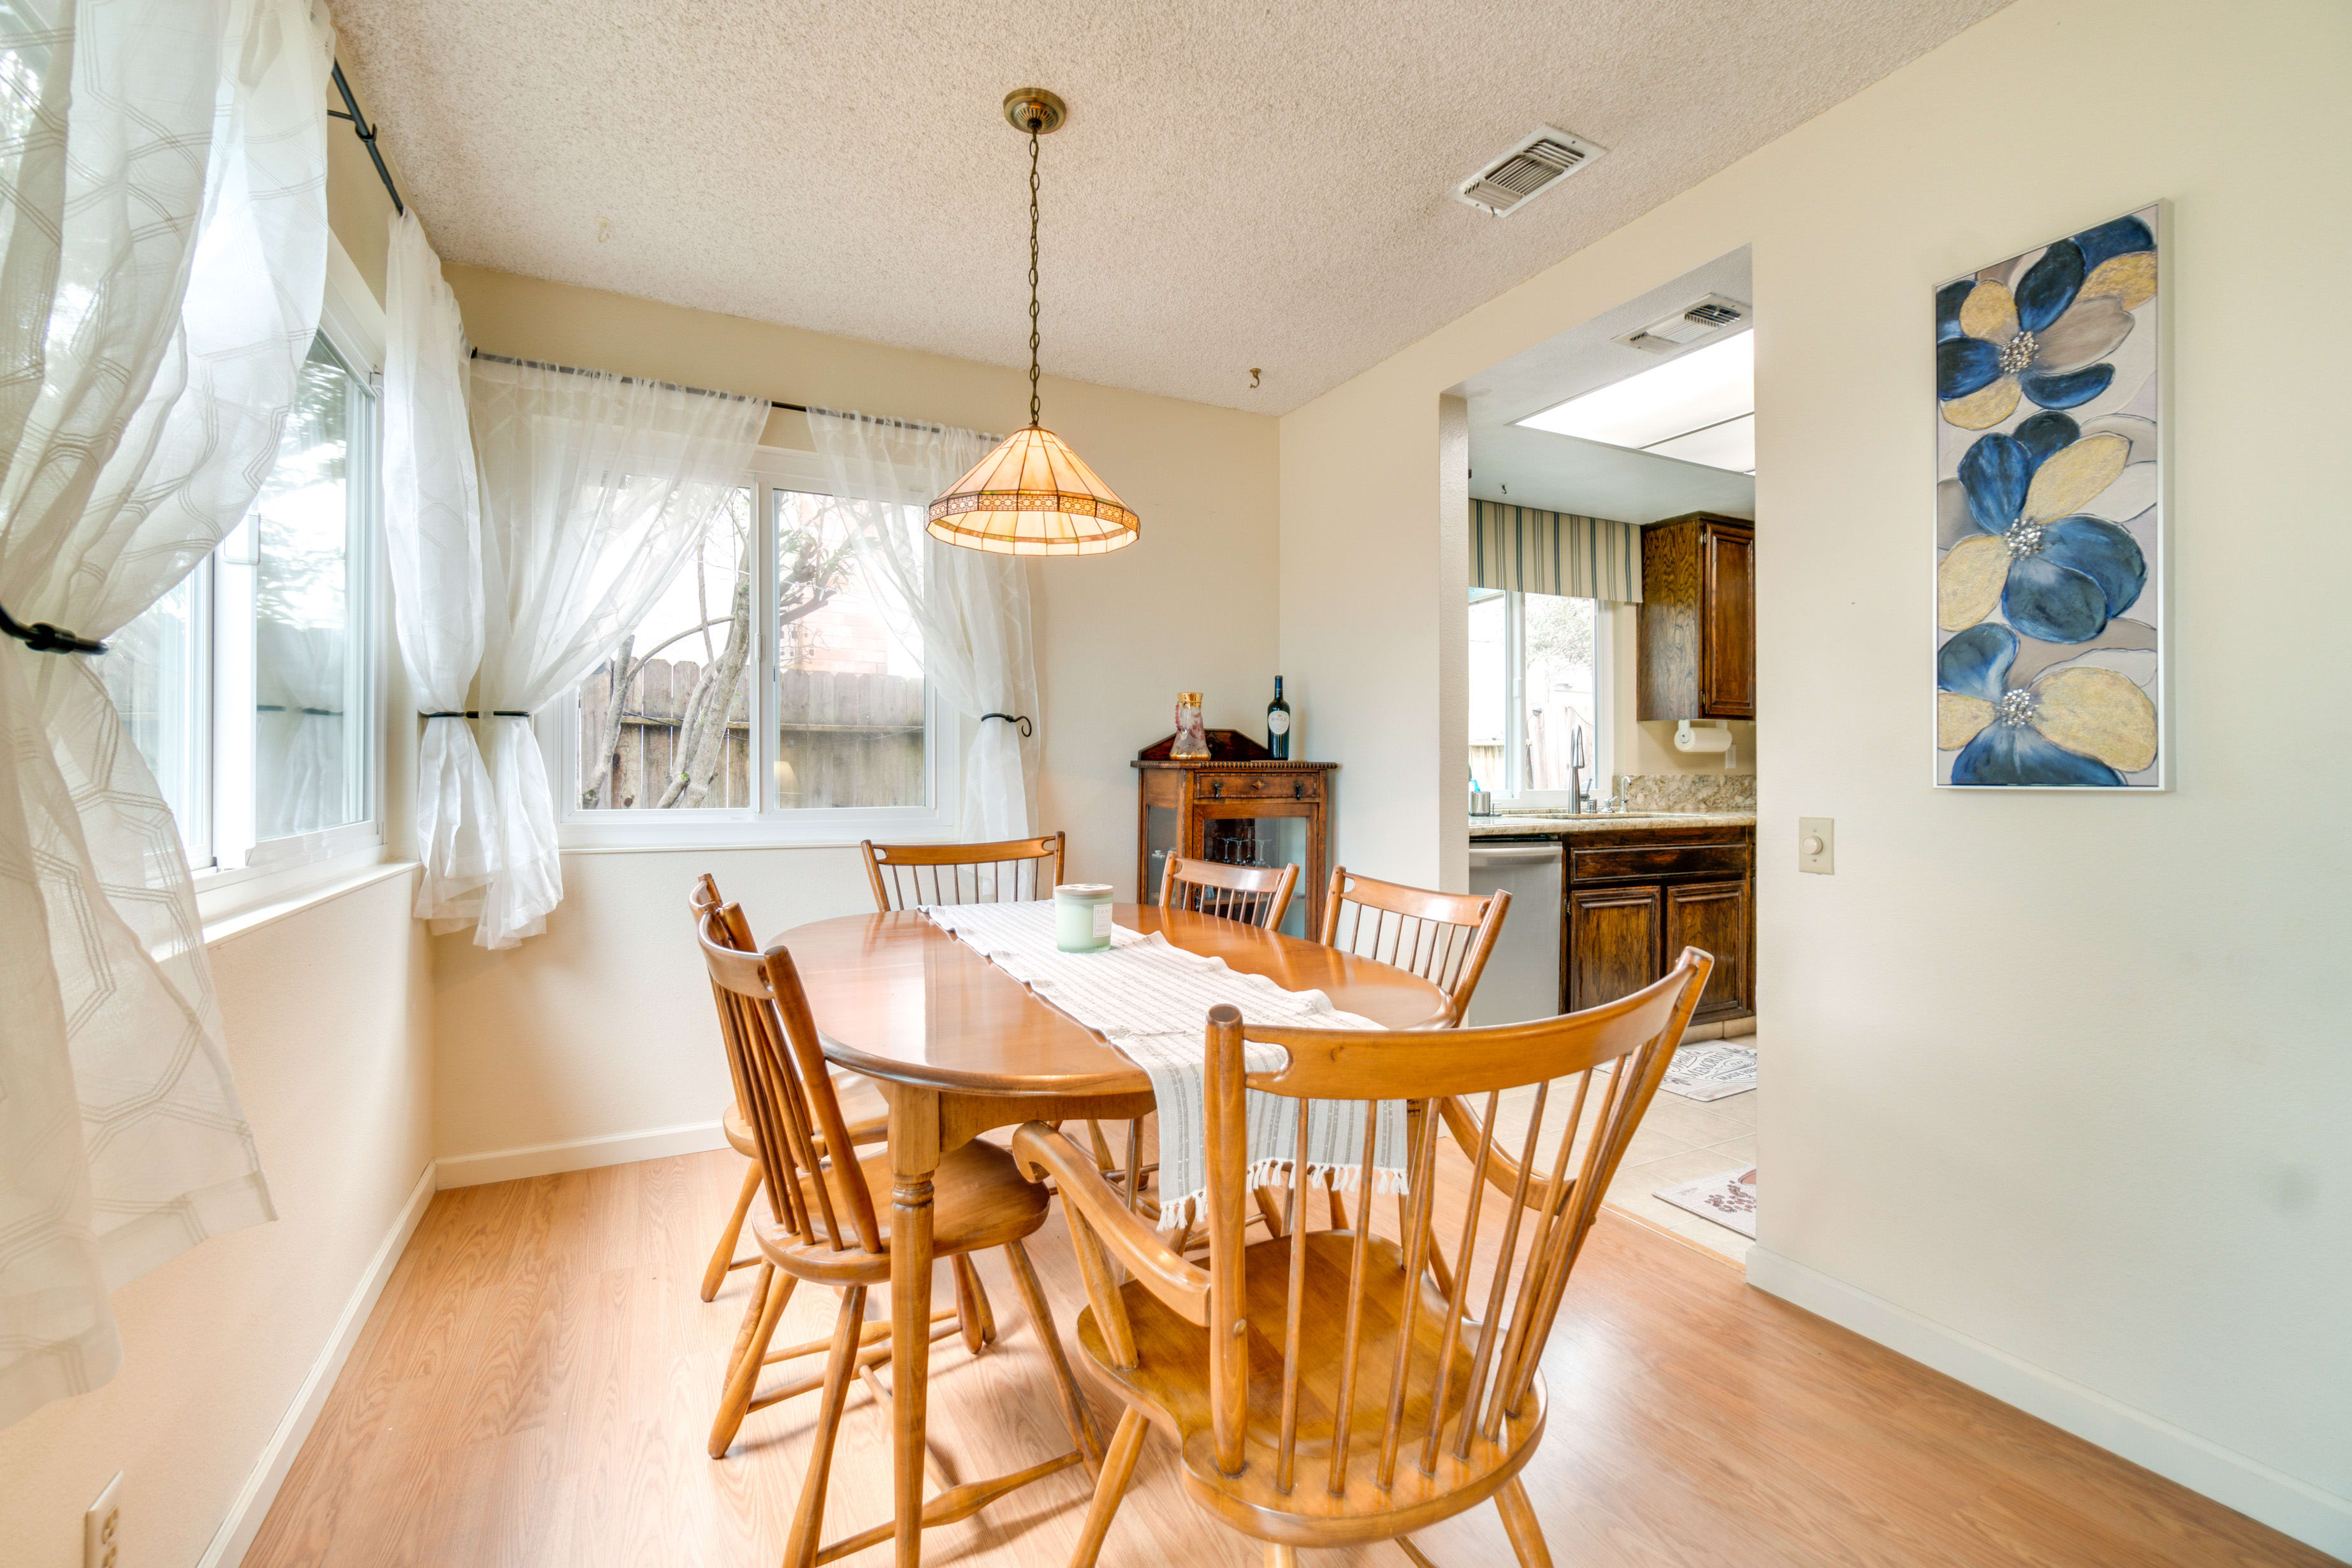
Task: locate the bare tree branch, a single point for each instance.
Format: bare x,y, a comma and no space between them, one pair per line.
608,723
702,732
609,727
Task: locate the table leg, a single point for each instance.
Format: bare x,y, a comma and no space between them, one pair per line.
914,1156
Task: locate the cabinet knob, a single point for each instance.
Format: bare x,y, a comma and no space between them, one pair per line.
1298,789
1216,789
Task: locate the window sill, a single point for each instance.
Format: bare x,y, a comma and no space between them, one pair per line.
235,907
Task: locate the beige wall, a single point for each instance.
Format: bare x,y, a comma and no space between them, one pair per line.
599,1028
2054,1089
330,1040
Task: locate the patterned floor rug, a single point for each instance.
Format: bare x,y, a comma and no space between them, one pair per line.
1711,1069
1728,1199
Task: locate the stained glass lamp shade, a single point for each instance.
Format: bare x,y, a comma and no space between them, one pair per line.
1032,496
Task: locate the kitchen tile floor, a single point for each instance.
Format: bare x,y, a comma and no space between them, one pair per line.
1679,1141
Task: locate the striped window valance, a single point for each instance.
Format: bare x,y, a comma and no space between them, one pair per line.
1559,553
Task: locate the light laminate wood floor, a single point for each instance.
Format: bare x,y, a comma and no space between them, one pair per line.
537,1383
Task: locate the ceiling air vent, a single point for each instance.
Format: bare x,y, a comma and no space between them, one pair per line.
1538,162
1710,316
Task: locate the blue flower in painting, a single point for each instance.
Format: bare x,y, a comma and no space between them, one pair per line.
2049,337
2055,574
2074,725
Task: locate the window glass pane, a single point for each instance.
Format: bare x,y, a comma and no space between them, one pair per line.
1559,691
849,688
680,736
154,671
1490,689
310,687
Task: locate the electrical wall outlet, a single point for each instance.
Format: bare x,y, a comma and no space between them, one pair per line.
1816,845
101,1528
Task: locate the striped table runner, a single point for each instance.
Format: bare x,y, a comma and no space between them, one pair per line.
1151,999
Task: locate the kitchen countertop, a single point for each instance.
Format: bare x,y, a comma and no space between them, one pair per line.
1563,825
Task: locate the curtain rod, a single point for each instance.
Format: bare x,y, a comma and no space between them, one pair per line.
702,391
366,133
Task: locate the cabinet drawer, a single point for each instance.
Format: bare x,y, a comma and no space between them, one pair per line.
1257,786
1663,861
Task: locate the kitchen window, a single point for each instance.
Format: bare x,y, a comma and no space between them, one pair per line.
1538,670
775,693
250,688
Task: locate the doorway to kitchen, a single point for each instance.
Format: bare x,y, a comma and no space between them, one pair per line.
1611,726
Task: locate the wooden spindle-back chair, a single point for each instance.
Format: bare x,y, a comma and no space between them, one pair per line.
1328,1388
829,1225
1445,938
705,898
1010,871
1254,895
872,1130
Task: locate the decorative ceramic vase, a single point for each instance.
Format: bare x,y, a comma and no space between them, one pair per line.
1192,739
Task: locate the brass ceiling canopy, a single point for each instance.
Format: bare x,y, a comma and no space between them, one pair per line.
1033,109
1031,495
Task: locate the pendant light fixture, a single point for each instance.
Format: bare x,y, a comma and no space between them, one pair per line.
1031,495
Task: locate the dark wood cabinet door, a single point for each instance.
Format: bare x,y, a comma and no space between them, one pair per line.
1614,939
1712,915
1728,642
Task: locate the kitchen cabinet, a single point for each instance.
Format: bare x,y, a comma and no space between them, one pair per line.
1638,896
1713,916
1697,631
1614,934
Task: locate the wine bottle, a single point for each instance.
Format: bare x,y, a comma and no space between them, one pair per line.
1277,724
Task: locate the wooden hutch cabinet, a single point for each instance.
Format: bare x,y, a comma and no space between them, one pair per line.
1240,806
1697,626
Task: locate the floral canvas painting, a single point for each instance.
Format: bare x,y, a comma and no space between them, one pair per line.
2049,602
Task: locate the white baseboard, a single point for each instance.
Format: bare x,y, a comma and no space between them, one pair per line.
251,1506
579,1154
2293,1506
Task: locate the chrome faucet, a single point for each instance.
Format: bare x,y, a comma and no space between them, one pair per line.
1623,799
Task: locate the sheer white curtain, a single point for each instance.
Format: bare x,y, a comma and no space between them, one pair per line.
433,538
968,610
595,489
298,735
162,254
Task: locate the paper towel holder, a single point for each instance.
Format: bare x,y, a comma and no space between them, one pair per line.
1704,741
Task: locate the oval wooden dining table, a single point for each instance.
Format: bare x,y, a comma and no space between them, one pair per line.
958,1047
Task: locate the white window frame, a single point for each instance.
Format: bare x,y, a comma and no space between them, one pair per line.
1597,773
352,324
763,824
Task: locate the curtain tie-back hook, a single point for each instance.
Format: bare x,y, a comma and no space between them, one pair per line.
1027,728
43,637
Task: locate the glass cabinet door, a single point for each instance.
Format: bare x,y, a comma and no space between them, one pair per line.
1262,841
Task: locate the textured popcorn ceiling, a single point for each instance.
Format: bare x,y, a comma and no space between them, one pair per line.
1239,184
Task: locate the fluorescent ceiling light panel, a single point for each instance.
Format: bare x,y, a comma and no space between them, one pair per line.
1731,445
1704,388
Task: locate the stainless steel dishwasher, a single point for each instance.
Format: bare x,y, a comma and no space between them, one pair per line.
1522,977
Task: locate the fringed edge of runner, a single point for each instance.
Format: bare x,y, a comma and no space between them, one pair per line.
1343,1178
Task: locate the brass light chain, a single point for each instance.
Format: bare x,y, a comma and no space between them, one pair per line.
1032,273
